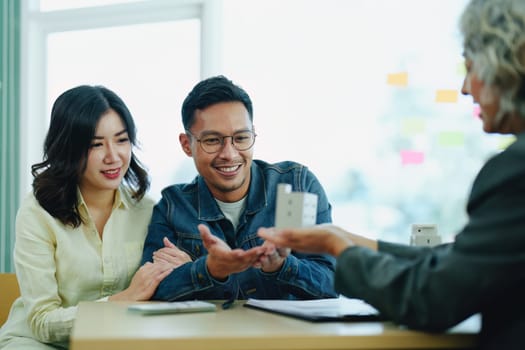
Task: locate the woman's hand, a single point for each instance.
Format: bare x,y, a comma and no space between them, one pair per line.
171,254
144,282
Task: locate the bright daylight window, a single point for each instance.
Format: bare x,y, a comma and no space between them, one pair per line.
151,66
148,52
367,94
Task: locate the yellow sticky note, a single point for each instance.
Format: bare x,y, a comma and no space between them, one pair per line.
397,79
451,138
446,96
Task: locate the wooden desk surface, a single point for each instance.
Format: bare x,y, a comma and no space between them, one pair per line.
109,325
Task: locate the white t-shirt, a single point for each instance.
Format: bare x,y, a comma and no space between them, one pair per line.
232,211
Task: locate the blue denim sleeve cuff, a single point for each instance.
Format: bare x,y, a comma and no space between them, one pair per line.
199,274
202,278
288,271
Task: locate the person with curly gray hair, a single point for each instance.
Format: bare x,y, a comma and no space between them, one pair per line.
483,270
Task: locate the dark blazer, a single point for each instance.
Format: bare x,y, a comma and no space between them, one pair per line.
482,271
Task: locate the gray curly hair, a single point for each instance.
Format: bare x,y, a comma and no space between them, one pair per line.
494,40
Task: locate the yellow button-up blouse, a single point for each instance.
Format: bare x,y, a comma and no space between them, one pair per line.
58,266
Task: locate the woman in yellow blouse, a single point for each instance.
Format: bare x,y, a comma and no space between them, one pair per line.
80,233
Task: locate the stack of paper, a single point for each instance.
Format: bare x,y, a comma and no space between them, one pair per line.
319,310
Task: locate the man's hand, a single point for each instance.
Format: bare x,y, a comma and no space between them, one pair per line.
171,254
222,261
273,258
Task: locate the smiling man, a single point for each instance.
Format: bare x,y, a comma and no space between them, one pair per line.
207,229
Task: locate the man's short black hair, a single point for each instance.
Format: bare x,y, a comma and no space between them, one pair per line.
209,92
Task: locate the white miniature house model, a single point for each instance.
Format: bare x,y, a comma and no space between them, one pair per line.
294,209
425,235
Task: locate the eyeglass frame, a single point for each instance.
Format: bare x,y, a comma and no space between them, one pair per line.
223,140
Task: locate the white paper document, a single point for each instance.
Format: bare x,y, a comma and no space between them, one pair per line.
319,310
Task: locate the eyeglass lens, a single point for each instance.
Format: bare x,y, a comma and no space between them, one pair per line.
241,140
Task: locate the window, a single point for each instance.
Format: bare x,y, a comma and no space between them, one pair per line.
54,5
366,93
148,52
151,66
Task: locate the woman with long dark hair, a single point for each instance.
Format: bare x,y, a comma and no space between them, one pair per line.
80,233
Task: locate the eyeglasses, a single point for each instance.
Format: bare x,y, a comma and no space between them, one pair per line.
213,143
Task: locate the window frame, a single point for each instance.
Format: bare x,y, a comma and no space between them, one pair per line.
36,25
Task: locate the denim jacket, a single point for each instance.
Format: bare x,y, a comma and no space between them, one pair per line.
184,206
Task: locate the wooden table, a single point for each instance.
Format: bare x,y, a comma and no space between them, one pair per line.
109,325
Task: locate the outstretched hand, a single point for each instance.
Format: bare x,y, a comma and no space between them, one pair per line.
222,261
325,239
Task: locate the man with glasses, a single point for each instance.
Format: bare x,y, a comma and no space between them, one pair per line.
208,228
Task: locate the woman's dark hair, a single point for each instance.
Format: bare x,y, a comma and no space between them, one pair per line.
74,119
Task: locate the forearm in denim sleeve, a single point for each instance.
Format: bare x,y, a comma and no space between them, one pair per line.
311,276
190,281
